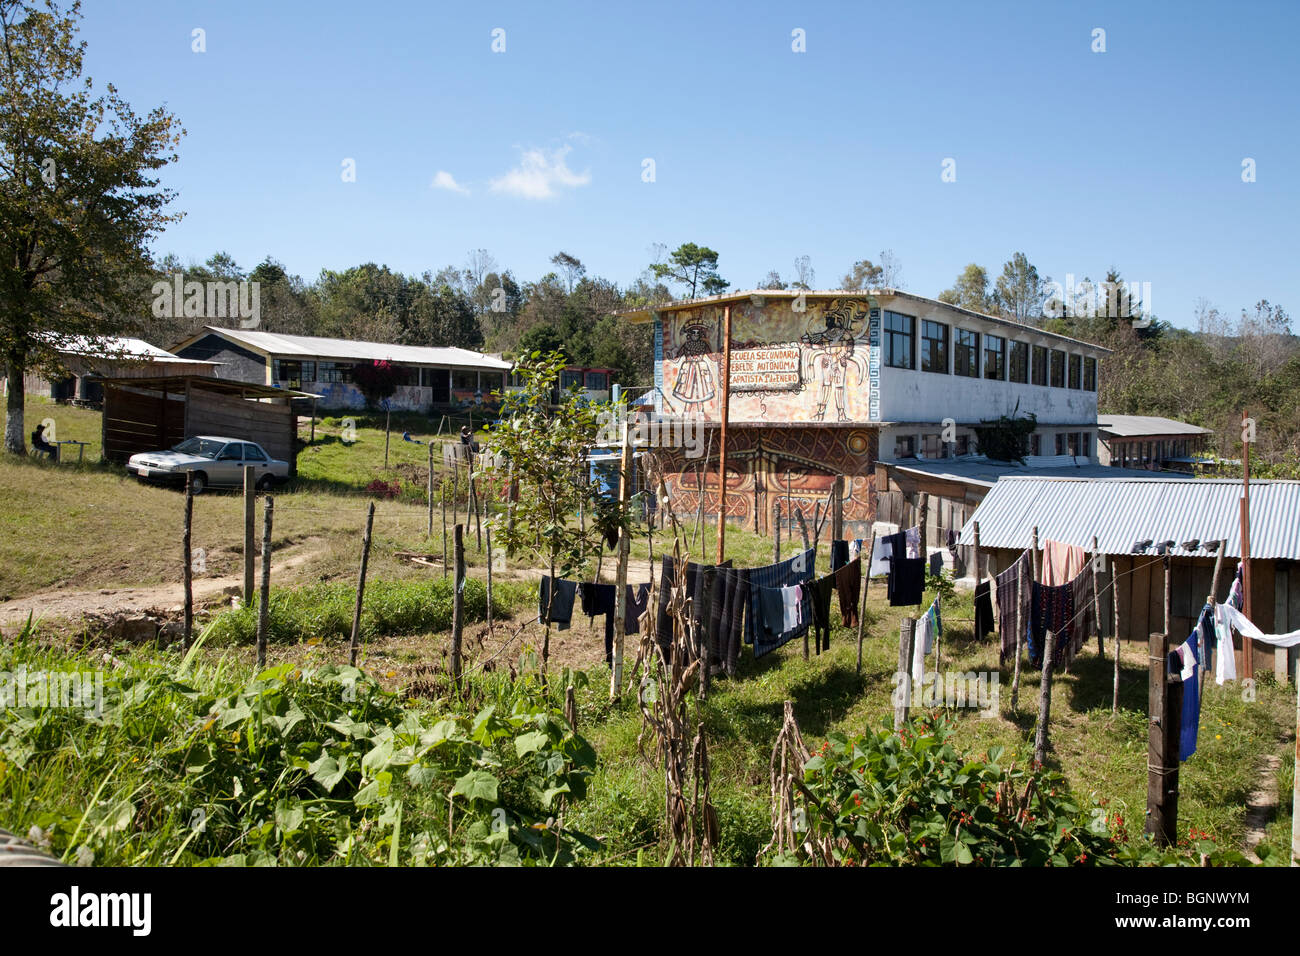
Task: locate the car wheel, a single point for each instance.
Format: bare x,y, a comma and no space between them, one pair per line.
266,483
198,481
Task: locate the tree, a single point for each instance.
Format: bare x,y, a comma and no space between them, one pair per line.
79,201
543,449
891,270
863,275
377,380
571,267
970,291
804,274
772,281
692,266
1020,292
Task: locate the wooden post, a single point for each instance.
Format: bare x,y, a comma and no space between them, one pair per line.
837,510
1034,555
1114,606
1165,705
1021,584
620,569
458,603
1295,791
1044,700
442,501
250,496
361,584
862,600
488,531
776,531
388,417
724,378
1096,602
975,561
1212,599
803,529
264,606
429,532
188,558
1247,644
902,703
473,497
455,485
313,422
510,502
924,550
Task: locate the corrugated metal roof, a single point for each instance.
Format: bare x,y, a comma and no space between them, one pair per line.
1131,426
979,470
313,346
1123,511
118,348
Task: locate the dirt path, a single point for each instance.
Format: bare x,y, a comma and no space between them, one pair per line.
1262,805
59,603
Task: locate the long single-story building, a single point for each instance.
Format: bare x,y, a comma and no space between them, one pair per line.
428,376
1131,518
824,384
88,362
1148,441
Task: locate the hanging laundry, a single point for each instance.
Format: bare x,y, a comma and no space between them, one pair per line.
561,605
927,626
694,583
1249,631
1083,621
792,603
820,594
1235,593
913,536
794,570
770,617
1225,658
1014,589
855,548
1051,609
1061,562
881,553
1188,659
727,608
983,610
839,554
906,582
848,584
638,597
598,599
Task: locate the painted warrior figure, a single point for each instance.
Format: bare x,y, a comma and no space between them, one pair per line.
695,382
832,352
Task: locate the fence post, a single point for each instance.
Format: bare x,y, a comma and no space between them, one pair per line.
250,496
1096,602
906,635
458,602
620,570
924,520
264,606
1044,699
1165,704
776,531
361,583
488,531
1114,602
189,561
865,565
429,532
837,510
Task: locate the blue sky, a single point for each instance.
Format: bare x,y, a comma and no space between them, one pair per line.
1131,157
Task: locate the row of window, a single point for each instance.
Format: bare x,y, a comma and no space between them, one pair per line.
294,374
956,351
1078,444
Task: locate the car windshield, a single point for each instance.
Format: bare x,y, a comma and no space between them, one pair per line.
200,447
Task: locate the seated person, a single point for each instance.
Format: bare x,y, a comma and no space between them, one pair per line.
41,445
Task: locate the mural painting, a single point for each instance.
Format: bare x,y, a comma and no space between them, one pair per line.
786,365
766,464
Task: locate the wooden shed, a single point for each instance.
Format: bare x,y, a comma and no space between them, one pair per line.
146,414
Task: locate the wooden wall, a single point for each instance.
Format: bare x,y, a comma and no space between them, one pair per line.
140,421
1140,590
274,426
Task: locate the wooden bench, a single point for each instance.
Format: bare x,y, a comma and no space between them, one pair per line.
81,449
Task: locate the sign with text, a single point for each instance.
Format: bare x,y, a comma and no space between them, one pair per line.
764,369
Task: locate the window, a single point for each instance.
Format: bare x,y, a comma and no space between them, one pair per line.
232,452
905,446
292,372
334,372
931,447
934,347
1090,374
569,378
1039,369
900,331
253,453
1019,364
995,357
965,353
1085,444
1058,368
597,381
1075,362
1062,444
1035,444
963,445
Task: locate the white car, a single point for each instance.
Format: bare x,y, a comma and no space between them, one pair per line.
215,462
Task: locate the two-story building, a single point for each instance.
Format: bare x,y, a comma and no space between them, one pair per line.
824,384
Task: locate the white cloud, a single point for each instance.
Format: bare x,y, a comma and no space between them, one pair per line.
445,180
539,174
